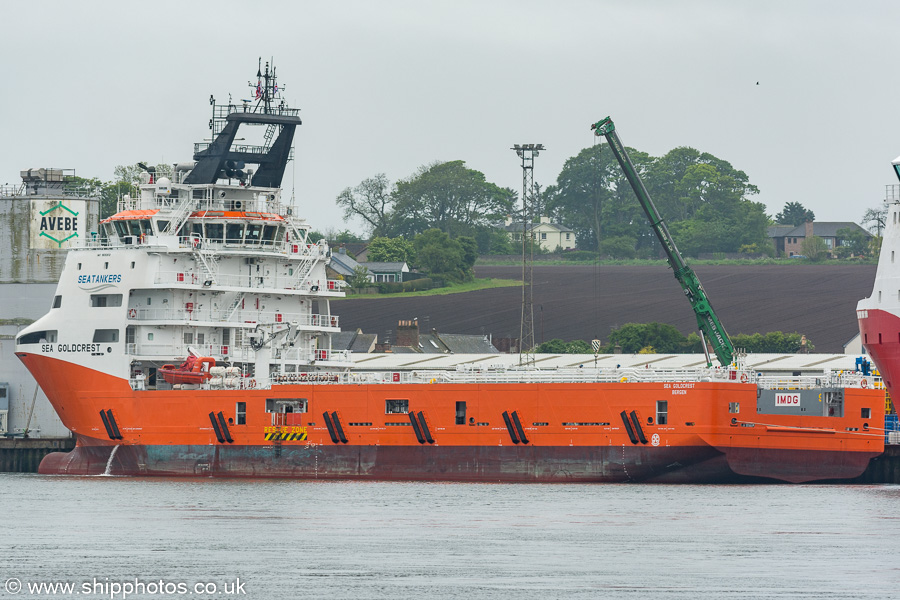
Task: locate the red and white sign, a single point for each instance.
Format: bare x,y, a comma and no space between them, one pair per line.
787,399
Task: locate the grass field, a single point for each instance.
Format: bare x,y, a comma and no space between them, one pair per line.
583,302
453,288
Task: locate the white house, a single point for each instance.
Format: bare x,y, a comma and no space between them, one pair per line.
549,236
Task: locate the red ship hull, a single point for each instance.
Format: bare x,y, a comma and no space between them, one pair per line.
585,432
529,464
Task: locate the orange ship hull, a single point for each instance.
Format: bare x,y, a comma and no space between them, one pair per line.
591,432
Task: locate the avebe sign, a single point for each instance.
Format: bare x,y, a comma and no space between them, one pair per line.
56,224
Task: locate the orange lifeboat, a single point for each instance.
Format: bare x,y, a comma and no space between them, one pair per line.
194,371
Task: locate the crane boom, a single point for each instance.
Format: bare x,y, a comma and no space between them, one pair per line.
707,321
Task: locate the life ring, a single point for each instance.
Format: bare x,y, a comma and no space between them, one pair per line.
251,384
132,313
743,378
863,383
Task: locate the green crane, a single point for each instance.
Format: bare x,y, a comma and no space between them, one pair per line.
707,321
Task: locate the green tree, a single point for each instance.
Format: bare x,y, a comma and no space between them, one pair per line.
554,346
558,346
92,186
438,254
875,245
706,202
814,248
495,241
334,236
450,197
371,201
127,181
383,249
772,342
620,246
359,278
876,219
579,347
852,241
632,337
794,214
470,250
590,197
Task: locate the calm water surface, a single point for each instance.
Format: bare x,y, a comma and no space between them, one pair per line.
301,539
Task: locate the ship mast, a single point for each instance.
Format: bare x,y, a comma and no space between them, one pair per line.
222,159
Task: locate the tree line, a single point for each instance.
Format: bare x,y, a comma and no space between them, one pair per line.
661,338
706,202
704,199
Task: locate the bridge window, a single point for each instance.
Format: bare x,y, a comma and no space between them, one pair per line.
268,235
215,232
39,337
253,233
234,233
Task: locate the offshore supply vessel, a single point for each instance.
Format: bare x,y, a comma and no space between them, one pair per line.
192,337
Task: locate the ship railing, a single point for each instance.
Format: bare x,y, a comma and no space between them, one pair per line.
280,282
892,193
127,203
310,355
293,250
12,190
678,378
51,188
221,111
177,350
197,243
128,243
845,379
580,375
98,242
240,316
585,374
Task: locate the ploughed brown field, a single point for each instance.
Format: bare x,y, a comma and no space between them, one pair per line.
584,302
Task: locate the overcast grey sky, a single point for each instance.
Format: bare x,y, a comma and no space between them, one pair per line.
388,86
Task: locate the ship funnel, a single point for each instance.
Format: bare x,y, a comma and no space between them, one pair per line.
896,164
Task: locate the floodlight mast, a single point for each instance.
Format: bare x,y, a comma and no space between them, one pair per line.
527,153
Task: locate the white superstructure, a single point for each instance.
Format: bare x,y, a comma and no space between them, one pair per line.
221,271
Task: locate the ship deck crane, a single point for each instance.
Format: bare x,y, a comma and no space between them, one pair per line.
707,321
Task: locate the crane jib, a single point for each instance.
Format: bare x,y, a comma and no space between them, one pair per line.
707,321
